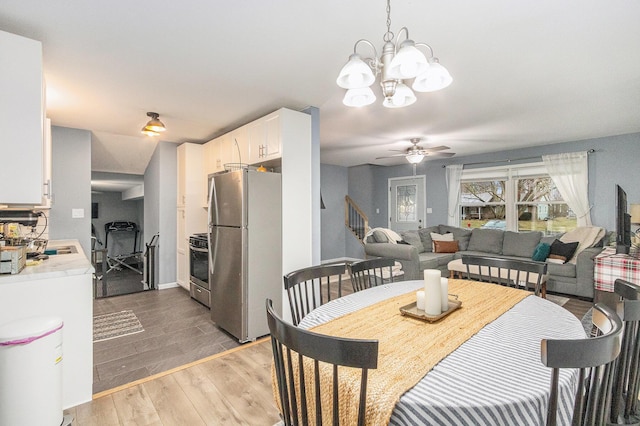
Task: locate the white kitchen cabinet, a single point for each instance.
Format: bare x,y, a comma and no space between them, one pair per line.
191,215
239,145
265,141
21,120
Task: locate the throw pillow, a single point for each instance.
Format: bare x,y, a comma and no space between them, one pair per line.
380,237
562,251
541,252
445,246
440,237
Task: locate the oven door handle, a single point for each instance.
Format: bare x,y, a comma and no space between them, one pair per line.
198,249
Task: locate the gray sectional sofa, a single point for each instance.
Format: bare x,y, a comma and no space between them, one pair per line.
415,254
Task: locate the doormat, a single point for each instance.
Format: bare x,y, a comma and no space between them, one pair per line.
558,300
117,324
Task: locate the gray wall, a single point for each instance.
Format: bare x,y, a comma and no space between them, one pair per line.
160,180
614,162
112,208
71,177
334,186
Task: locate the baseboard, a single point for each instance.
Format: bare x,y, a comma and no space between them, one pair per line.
167,285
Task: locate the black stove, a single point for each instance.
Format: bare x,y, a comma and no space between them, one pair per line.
199,240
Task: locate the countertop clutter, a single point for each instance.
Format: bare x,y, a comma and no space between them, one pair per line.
69,260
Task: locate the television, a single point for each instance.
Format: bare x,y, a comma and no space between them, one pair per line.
623,222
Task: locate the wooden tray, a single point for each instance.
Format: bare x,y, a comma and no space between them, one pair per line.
412,311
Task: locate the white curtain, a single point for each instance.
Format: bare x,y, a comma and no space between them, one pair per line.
454,173
570,173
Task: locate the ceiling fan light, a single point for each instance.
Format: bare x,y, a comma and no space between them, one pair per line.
402,97
414,158
408,62
359,97
355,74
436,77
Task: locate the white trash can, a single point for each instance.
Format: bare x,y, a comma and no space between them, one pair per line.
31,372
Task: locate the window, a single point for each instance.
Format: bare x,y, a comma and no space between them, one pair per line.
521,198
406,203
540,207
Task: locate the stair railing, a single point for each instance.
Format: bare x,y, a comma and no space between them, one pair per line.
355,219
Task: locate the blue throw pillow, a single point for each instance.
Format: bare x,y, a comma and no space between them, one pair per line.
541,252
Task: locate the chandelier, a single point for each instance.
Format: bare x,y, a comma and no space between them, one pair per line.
397,64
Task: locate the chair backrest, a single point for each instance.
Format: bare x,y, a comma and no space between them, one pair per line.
294,383
371,272
594,357
626,385
308,288
527,274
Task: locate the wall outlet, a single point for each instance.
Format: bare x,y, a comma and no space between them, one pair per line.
77,213
377,211
429,210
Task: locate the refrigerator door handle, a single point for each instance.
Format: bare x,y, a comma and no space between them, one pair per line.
212,248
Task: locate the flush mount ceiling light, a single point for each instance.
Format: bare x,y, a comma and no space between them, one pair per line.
154,126
397,64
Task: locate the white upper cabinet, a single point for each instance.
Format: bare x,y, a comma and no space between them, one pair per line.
21,120
239,146
265,140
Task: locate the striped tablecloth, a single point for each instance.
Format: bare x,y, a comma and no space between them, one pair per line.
610,266
495,378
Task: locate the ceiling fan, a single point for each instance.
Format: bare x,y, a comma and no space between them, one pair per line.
415,153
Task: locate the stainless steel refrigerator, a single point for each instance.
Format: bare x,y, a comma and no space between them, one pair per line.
245,250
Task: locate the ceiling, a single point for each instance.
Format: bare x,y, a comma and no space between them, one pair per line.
525,73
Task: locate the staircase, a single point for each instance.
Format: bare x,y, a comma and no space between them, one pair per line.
355,219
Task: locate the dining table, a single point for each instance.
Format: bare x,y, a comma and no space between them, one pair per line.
478,365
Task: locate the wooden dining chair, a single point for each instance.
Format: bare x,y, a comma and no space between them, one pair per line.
308,288
371,272
508,272
595,358
295,384
626,385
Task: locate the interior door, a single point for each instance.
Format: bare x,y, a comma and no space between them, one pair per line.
407,203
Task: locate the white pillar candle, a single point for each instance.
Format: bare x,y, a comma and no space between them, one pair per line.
444,294
420,300
432,299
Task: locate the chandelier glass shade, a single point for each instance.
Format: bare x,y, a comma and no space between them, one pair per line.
153,126
414,158
400,61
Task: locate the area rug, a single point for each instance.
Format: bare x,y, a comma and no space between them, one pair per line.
117,324
558,300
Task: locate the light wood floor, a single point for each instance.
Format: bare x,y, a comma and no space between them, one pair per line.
232,388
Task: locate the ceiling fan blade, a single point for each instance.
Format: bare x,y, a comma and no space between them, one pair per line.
392,156
435,148
441,154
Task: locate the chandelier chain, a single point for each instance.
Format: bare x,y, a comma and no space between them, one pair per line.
388,36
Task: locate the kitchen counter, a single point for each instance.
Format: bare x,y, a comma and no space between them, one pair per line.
61,286
58,265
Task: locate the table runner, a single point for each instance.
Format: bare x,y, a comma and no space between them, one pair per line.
409,348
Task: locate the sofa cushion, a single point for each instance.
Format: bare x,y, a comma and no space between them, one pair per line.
461,235
425,237
434,260
413,238
541,252
520,244
486,240
445,246
562,270
562,251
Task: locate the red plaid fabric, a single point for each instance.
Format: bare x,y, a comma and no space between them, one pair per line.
610,266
